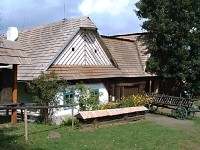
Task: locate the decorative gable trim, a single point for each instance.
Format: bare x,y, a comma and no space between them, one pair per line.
83,49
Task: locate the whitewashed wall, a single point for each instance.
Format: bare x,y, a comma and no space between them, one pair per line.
62,113
103,97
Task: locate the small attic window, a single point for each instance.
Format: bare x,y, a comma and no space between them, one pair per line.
73,49
95,51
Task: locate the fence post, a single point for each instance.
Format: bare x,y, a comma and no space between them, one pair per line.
25,126
72,116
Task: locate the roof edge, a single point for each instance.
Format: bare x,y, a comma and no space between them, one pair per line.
117,38
53,23
62,49
128,34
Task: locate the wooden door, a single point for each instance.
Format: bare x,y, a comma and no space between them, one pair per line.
130,90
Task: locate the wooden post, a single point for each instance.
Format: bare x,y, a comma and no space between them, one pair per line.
25,126
72,117
95,123
150,84
14,94
121,91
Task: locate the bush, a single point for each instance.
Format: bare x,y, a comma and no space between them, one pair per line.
109,105
134,100
129,101
87,100
68,122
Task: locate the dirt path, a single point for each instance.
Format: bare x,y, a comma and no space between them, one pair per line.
171,122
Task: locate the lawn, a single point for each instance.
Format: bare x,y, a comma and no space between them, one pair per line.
139,135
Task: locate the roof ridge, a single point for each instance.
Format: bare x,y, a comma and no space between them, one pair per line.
53,23
117,38
137,33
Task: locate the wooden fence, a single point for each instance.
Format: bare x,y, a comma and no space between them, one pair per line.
24,106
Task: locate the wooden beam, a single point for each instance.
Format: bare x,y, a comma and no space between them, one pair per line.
25,126
121,91
150,84
14,94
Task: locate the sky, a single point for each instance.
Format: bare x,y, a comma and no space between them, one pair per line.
112,17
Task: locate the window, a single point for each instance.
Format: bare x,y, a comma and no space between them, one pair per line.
95,51
95,92
73,49
68,98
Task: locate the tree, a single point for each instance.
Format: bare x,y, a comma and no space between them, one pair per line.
45,89
88,100
173,28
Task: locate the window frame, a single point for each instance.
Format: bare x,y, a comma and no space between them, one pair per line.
70,98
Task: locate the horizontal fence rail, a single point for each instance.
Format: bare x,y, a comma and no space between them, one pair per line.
25,106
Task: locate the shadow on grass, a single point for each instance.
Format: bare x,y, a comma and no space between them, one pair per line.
44,130
12,139
162,113
5,119
8,141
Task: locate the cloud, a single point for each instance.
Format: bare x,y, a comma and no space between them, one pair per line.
111,7
29,13
112,16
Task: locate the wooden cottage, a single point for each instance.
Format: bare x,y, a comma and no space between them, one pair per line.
11,55
73,48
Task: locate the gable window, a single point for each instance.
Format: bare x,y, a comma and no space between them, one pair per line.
68,98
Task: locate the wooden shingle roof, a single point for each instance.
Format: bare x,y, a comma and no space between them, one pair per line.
44,43
127,56
86,72
141,43
11,53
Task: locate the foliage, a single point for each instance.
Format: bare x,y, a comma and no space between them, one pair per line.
68,122
109,105
129,101
134,100
87,100
174,41
45,89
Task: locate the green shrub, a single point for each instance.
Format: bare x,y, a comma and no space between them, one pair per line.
134,100
129,101
109,105
87,100
68,122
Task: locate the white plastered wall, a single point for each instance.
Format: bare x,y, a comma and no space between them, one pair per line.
62,113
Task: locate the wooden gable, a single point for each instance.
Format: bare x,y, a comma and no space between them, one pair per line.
84,49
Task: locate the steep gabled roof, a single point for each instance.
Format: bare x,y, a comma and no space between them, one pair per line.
44,43
11,53
141,43
126,55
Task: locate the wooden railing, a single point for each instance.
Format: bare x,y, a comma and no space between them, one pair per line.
24,106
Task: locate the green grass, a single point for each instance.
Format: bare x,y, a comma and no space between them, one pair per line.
132,136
